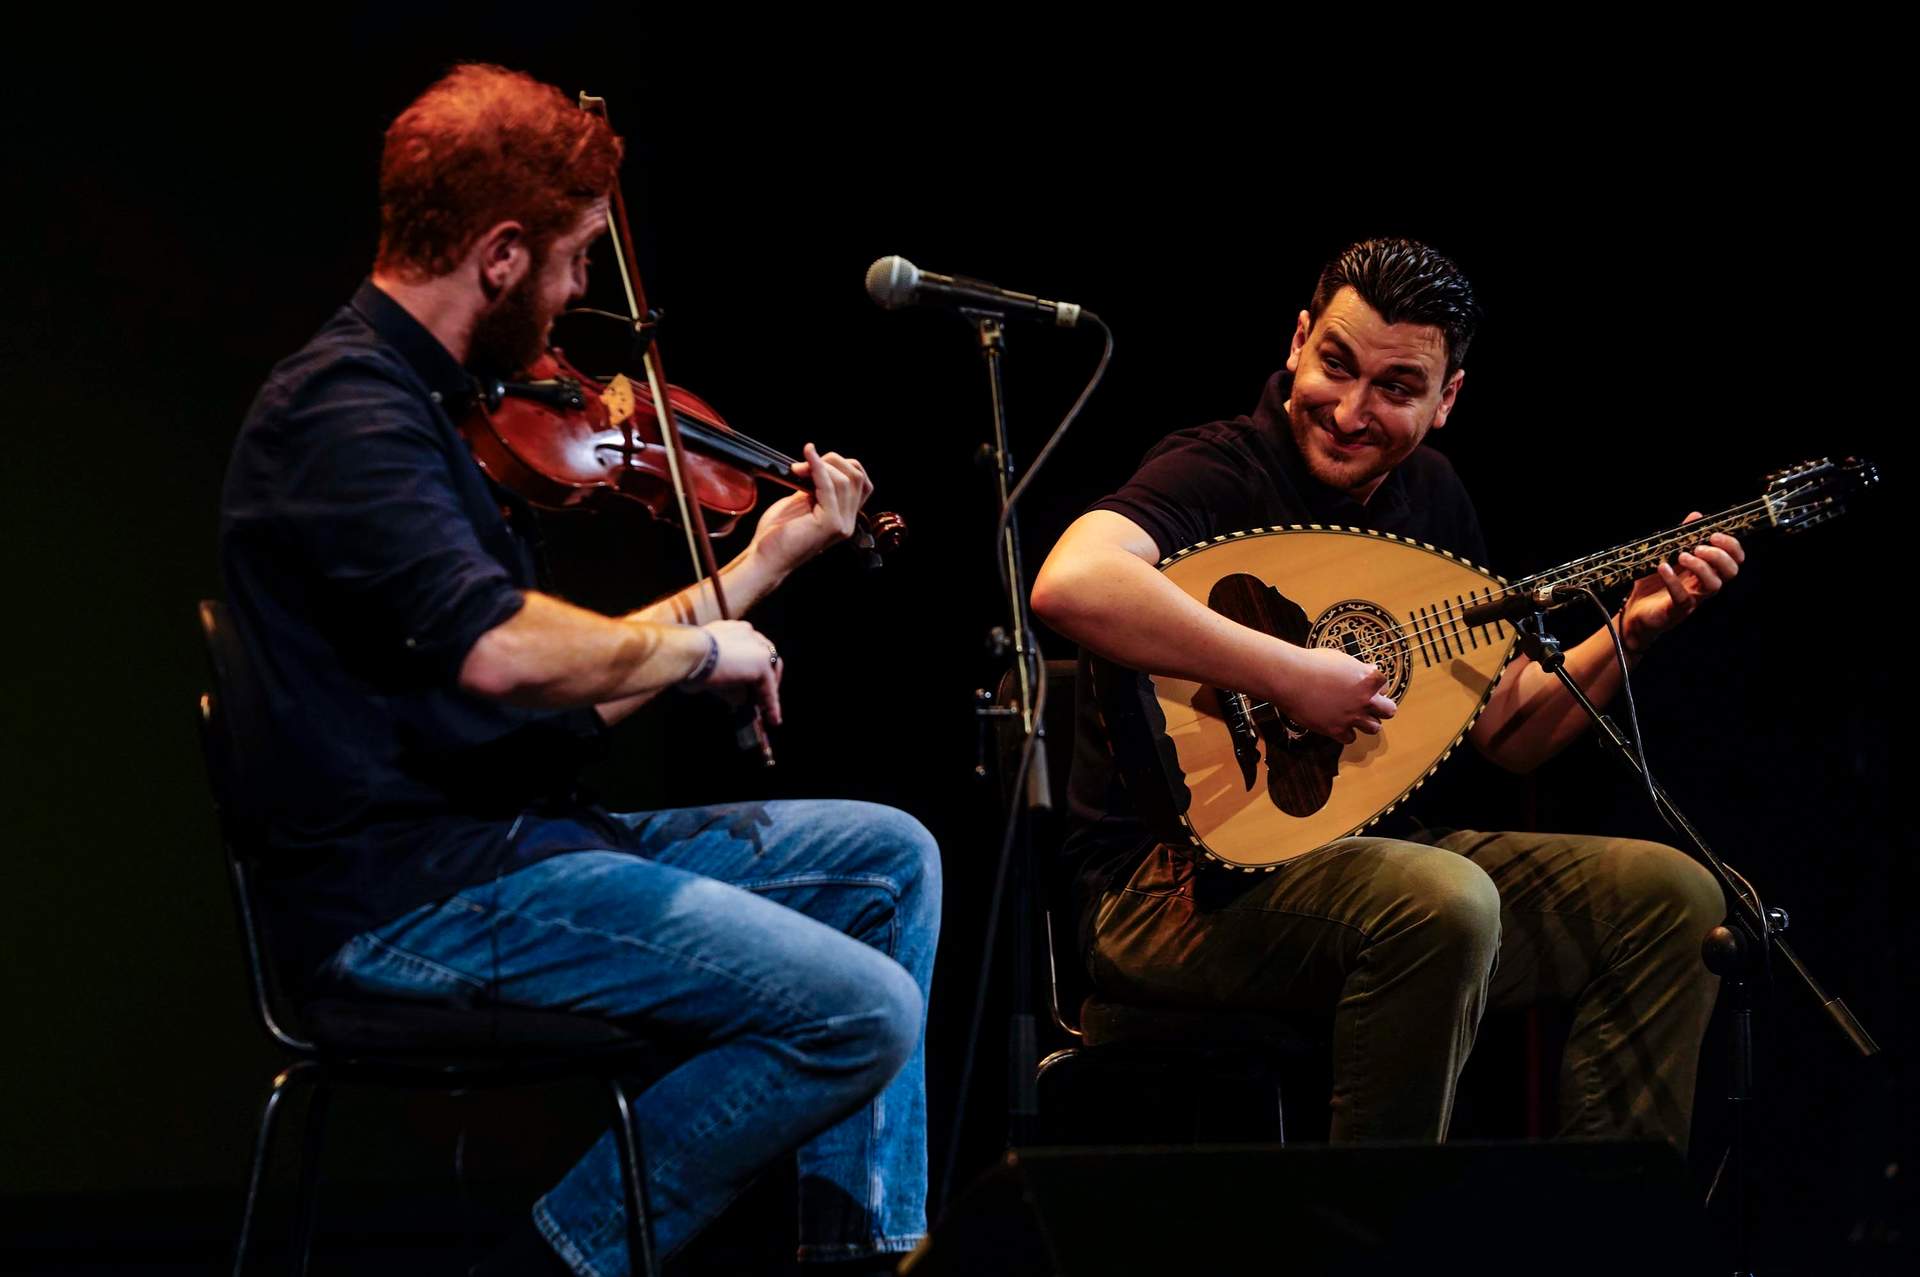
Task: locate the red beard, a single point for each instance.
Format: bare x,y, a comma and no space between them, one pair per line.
509,336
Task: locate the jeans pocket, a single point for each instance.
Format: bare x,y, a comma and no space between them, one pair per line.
367,964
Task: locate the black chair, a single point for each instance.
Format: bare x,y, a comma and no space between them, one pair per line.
400,1045
1186,1075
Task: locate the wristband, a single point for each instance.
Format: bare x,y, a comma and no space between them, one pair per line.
707,662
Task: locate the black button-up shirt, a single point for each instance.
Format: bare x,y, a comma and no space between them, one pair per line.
364,553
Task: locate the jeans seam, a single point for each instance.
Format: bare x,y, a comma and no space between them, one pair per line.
887,1244
769,995
600,1236
427,963
611,1226
891,887
564,1246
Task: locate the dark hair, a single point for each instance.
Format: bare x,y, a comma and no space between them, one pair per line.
1408,283
483,146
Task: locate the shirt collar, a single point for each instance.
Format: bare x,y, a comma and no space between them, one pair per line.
449,382
1331,505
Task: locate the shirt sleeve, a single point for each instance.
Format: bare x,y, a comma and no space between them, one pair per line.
370,508
1190,487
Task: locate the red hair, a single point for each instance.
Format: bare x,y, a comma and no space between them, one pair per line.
486,145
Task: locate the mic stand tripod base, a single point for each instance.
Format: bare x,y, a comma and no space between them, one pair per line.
1727,949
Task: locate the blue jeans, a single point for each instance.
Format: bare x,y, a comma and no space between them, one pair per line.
795,940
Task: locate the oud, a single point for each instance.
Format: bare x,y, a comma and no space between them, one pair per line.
1234,778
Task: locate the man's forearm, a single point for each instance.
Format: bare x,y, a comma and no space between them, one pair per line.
612,712
746,580
1123,609
1099,587
555,655
1531,716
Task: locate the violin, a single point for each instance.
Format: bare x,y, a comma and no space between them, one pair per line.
558,438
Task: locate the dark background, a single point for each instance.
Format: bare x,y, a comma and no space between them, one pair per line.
1692,275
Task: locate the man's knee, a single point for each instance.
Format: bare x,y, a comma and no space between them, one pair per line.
898,847
887,1028
1454,903
1668,883
859,1019
906,1010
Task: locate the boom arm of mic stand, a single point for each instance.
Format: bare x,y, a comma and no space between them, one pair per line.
1544,649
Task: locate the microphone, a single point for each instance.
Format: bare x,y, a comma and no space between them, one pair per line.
895,282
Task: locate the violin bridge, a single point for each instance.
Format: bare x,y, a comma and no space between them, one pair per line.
619,398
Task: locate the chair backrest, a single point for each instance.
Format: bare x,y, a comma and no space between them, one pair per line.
1067,982
228,714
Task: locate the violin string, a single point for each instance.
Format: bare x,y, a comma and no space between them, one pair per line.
729,440
701,432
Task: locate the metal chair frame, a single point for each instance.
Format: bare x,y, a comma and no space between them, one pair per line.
618,1061
1062,978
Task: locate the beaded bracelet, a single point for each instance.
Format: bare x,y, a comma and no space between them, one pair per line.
707,662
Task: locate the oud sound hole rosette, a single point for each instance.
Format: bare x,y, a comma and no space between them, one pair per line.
1366,632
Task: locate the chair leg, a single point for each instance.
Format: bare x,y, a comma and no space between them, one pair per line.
626,1134
310,1143
1052,1126
262,1145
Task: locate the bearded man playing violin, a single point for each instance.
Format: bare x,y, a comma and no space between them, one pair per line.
428,708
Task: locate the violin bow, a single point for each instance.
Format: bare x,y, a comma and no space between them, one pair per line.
693,521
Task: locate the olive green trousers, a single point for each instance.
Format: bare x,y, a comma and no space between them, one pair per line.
1405,944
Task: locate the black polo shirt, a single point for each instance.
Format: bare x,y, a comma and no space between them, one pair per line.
364,553
1224,477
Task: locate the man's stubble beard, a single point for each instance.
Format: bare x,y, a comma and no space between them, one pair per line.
1331,472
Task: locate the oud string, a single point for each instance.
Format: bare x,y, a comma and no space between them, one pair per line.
1444,617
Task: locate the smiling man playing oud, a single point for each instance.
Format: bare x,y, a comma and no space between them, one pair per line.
1405,937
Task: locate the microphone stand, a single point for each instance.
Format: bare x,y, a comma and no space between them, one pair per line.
1731,952
1014,874
1023,1052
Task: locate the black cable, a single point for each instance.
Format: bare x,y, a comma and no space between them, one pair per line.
1719,1172
1653,794
1633,713
1037,680
1046,449
465,1190
1646,773
1007,836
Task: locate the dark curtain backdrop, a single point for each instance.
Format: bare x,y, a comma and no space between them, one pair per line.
1688,283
